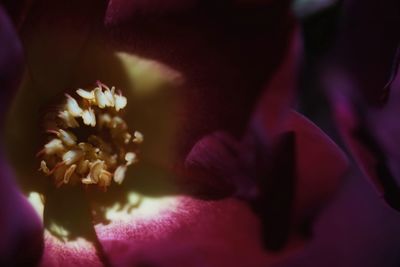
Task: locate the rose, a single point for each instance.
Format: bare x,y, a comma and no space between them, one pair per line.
137,228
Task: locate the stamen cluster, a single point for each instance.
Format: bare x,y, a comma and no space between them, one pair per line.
107,148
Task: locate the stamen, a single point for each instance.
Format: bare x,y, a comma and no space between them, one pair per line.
88,117
120,102
93,155
73,107
85,94
138,137
68,119
119,174
55,146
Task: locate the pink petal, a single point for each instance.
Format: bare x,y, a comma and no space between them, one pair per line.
195,232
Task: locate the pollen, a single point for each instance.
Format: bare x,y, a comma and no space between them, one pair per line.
89,142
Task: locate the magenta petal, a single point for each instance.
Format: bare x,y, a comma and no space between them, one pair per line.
371,137
20,228
21,231
356,230
192,233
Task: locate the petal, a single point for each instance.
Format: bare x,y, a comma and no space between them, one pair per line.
279,93
20,228
357,229
321,166
227,64
11,63
194,232
367,43
307,168
369,133
215,167
122,10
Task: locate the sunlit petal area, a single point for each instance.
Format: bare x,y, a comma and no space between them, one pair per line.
167,133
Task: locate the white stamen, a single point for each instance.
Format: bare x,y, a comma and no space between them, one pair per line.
73,106
130,158
101,99
68,119
88,117
72,156
119,174
44,168
67,137
102,156
55,146
138,137
120,101
127,138
89,95
109,94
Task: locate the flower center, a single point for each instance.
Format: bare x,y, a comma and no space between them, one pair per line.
89,141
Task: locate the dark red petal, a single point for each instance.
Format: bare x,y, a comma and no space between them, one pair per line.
278,96
321,165
294,190
215,167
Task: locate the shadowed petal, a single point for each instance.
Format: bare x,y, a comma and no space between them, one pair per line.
219,52
370,133
20,228
357,229
366,46
11,63
122,10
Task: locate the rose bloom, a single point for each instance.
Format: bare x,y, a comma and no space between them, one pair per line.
228,174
